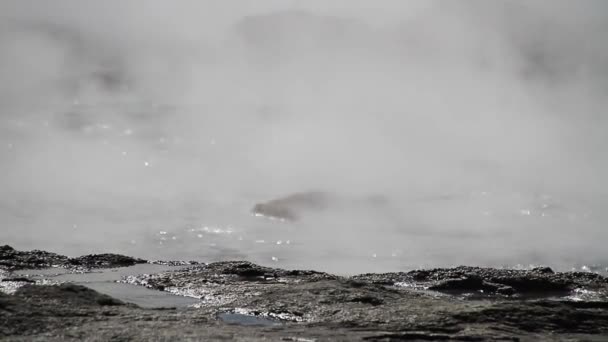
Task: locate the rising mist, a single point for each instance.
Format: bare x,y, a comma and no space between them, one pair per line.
481,125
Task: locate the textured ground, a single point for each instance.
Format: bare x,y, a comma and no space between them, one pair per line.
247,302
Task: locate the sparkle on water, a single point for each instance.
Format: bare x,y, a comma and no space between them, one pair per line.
354,246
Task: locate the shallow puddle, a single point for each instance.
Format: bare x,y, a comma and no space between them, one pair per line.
241,319
106,281
139,295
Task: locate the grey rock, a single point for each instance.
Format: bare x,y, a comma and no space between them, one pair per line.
11,259
248,302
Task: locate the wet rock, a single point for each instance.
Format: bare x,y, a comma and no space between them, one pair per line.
243,269
505,290
466,283
174,262
502,281
18,279
542,270
67,293
425,336
472,283
240,300
11,259
359,302
540,316
251,271
225,282
6,249
35,309
367,299
105,261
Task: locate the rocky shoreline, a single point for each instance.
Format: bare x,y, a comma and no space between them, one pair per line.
246,302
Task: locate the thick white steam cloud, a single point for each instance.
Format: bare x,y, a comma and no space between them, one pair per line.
482,124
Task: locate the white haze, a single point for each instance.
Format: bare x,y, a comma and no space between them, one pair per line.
482,122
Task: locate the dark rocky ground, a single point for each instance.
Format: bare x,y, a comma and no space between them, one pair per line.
11,259
246,302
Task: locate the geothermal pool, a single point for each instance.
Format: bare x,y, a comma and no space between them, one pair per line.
489,226
153,132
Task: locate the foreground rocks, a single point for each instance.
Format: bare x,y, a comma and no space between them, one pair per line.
11,259
248,302
541,281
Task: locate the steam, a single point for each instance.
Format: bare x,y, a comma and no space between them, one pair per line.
482,123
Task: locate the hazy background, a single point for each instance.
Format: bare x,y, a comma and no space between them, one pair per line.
152,128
